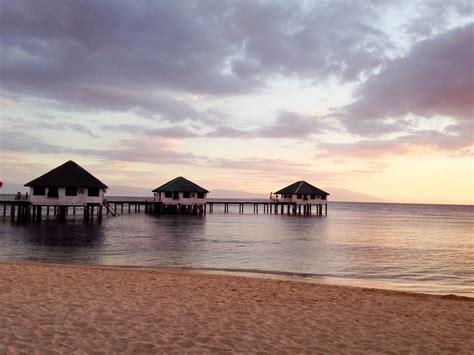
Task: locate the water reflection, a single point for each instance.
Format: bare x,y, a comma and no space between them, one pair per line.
72,241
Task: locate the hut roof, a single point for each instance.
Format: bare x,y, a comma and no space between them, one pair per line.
68,174
180,184
301,187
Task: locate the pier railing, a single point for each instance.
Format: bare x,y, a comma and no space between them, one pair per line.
14,197
128,199
209,200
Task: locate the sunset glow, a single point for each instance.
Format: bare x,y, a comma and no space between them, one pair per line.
243,95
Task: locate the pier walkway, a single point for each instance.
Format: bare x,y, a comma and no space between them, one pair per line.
19,208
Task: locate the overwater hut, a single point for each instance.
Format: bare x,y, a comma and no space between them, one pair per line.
304,194
67,185
182,195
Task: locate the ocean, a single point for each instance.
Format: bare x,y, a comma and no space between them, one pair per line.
408,247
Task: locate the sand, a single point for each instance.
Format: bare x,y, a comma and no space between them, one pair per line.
83,309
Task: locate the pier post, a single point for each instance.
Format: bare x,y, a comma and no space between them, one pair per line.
38,214
47,210
326,209
62,213
100,213
28,211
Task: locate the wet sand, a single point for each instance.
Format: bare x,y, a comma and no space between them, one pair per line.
65,308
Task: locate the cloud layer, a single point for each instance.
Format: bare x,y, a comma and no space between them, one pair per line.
134,56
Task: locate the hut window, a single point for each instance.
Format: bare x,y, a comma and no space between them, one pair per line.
71,191
93,191
313,196
52,192
175,195
186,194
323,197
298,196
200,194
168,194
39,191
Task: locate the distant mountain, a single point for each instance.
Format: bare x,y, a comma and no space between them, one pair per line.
119,190
337,194
235,194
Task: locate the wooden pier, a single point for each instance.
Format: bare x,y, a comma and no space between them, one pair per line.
267,206
122,205
20,209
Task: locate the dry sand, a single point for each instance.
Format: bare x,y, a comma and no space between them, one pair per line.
67,308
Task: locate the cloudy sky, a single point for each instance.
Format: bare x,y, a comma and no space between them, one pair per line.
372,96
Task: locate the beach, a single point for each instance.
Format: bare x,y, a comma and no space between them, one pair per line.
62,308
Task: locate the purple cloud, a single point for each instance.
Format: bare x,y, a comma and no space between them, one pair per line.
433,79
133,56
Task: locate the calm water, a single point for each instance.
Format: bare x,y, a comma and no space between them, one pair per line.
422,248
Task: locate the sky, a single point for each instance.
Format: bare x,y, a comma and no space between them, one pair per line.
375,97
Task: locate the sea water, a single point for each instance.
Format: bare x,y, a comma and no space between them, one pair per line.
420,248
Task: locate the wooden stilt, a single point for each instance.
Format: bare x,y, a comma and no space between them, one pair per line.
38,213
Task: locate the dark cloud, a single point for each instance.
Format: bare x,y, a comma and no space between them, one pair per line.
434,79
286,125
433,16
129,150
293,125
134,56
455,139
167,132
50,124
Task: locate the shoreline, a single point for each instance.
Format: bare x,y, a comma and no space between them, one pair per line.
253,273
71,307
